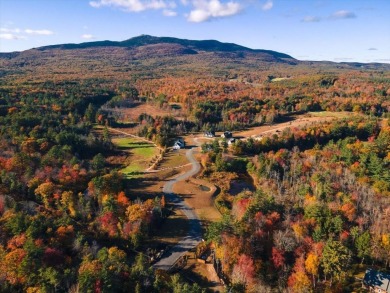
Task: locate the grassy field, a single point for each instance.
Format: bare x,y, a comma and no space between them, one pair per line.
132,114
174,158
137,147
279,79
140,154
133,168
332,114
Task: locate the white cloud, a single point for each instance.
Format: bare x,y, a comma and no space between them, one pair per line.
372,49
172,4
169,13
7,33
95,4
201,10
208,9
268,5
10,36
38,32
9,30
130,5
311,19
343,14
88,36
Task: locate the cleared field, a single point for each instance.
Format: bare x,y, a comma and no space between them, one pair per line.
333,114
298,121
132,114
137,147
279,79
132,169
173,159
203,274
198,194
140,154
173,229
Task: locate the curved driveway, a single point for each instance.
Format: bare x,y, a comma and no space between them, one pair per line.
194,235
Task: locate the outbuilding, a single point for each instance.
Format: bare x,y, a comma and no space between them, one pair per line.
209,134
227,134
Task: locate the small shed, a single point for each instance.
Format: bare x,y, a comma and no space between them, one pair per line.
209,134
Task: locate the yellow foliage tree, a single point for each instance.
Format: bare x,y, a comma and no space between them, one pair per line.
45,191
312,263
68,200
299,230
386,246
299,282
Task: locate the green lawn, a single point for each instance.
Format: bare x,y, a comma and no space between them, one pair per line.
137,147
140,152
132,171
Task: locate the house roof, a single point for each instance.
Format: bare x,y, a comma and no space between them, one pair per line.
179,142
377,279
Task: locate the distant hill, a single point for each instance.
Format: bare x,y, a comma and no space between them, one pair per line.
144,40
174,46
152,57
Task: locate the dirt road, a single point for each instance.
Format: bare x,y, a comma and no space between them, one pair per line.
194,235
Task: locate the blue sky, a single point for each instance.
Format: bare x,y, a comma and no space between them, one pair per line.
334,30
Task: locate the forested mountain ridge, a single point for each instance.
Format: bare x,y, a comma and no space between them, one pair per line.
155,57
145,40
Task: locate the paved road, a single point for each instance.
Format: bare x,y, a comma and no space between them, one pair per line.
194,235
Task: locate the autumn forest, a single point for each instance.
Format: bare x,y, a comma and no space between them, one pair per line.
300,198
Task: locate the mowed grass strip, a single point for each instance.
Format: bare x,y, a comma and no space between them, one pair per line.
137,147
140,152
134,170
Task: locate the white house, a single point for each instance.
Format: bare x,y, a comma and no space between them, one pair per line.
179,144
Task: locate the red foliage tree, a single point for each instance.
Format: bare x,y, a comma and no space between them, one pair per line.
123,200
244,270
278,258
53,257
109,223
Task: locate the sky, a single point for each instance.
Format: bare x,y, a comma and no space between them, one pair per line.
333,30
